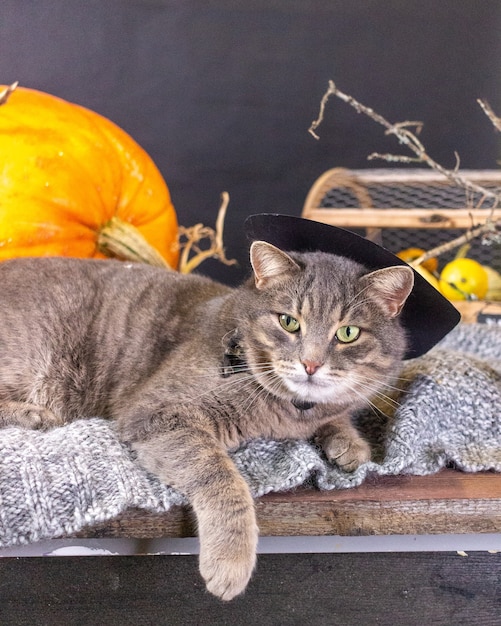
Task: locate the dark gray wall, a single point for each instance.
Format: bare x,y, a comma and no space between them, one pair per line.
221,93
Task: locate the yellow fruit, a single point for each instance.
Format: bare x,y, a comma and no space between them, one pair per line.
410,254
464,279
493,284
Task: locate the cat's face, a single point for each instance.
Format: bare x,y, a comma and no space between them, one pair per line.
323,329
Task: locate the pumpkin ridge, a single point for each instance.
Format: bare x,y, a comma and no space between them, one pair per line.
65,171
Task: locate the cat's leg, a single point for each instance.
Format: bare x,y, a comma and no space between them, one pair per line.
27,415
195,463
343,444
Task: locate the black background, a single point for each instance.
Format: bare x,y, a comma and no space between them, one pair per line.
221,93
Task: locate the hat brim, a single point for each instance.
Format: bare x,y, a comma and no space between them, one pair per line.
427,315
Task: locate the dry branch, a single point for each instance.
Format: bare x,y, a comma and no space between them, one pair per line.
486,108
6,91
193,235
469,235
490,230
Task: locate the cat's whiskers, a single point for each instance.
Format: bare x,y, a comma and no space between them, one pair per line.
373,384
380,381
237,369
252,398
253,375
274,383
227,334
234,385
246,379
223,385
376,389
382,397
378,412
389,398
353,307
357,295
358,305
403,380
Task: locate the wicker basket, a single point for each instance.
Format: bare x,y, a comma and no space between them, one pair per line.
402,208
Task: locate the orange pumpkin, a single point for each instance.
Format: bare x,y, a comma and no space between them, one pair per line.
66,172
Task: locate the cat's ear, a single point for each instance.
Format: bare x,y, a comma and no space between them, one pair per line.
269,263
389,287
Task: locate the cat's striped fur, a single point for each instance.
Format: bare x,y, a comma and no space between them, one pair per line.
189,368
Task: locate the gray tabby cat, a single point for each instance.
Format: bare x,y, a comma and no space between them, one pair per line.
189,368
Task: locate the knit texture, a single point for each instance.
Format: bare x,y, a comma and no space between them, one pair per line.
57,482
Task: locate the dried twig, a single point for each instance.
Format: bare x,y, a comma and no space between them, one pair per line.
405,137
194,234
490,229
469,235
486,108
6,91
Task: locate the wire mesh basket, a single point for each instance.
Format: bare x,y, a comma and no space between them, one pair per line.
403,208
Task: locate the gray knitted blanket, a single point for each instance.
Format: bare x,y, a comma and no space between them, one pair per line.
448,413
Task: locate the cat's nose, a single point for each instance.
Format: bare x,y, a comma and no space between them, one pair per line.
311,366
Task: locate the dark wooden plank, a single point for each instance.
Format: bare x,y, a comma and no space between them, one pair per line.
447,484
291,589
447,502
138,524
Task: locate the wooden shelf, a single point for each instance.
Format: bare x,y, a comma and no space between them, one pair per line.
470,311
447,502
395,217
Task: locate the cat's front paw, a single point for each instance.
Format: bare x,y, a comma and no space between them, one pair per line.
347,453
228,571
227,576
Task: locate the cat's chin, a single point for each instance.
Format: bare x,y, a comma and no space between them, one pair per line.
314,392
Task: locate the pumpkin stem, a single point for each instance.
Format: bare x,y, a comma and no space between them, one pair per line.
121,239
6,91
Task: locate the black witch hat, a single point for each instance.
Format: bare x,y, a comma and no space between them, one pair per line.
427,315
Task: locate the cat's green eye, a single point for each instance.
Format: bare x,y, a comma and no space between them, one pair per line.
347,334
288,323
